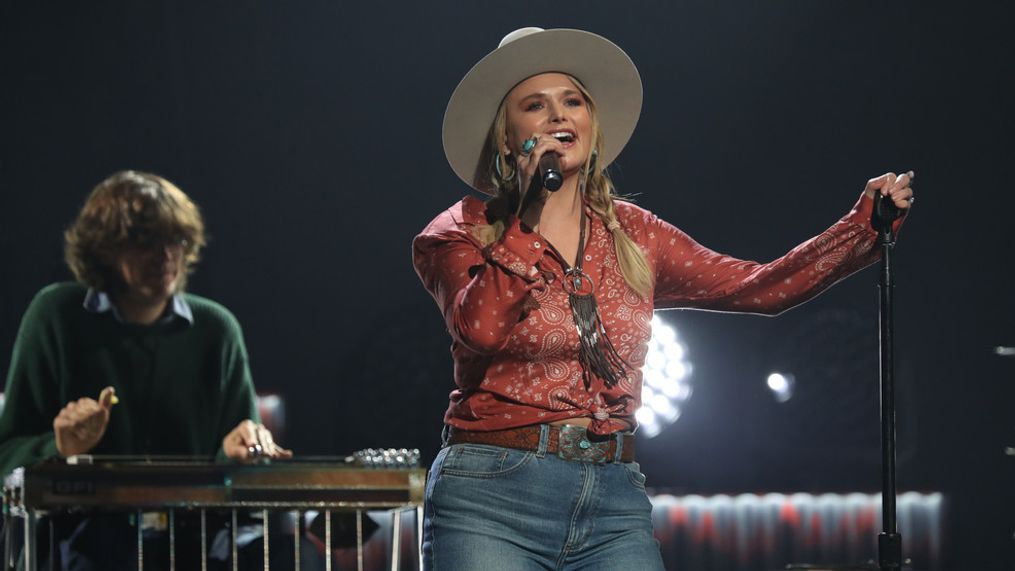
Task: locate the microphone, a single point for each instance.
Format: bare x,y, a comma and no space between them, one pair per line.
549,171
885,212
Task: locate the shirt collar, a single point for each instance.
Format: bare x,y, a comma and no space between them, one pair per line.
100,302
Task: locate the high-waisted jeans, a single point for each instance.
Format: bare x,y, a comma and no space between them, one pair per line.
499,509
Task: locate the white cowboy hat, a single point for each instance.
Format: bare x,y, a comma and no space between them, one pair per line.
603,68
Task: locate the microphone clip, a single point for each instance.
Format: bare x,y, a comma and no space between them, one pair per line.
883,215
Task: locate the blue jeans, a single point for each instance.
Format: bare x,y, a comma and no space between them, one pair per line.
498,509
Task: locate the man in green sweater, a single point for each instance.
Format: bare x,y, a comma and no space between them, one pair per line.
123,362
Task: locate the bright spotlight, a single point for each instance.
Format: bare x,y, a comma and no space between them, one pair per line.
645,416
665,384
777,382
781,385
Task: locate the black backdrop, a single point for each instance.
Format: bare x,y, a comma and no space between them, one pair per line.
310,135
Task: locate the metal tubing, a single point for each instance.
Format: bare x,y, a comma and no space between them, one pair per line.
359,540
889,541
232,542
31,521
327,540
297,535
888,508
264,531
140,540
172,540
419,535
8,538
396,538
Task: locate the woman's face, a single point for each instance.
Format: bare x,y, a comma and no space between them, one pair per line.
549,104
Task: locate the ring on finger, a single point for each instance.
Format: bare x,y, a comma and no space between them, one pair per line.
528,145
262,435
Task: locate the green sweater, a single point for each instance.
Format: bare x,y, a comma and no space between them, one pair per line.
182,386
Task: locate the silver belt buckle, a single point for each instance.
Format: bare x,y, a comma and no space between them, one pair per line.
573,444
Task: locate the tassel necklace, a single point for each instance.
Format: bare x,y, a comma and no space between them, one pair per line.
596,353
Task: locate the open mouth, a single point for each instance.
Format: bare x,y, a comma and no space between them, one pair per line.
563,136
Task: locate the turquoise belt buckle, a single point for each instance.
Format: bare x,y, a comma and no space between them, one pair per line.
574,444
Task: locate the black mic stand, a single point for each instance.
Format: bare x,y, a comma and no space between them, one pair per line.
889,540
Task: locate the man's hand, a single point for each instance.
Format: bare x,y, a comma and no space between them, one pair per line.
80,425
249,441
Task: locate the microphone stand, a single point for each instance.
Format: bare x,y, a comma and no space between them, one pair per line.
889,540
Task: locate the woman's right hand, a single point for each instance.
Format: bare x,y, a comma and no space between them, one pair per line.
530,187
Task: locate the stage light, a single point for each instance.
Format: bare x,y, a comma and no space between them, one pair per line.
781,385
665,380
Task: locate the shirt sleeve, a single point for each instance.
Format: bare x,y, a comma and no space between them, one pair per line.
691,275
31,394
481,291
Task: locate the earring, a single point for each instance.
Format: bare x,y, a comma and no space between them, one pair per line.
497,167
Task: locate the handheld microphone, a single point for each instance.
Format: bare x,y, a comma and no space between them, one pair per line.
549,171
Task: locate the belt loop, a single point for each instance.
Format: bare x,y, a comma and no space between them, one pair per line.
445,435
544,440
619,437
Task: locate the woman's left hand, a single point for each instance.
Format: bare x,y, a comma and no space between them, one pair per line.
897,187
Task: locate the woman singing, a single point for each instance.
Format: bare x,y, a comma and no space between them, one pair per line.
548,297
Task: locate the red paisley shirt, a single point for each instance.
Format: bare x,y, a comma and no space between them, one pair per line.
515,345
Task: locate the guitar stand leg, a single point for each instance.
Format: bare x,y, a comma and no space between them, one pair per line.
359,540
396,536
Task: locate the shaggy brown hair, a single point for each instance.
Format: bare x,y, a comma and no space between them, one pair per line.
131,209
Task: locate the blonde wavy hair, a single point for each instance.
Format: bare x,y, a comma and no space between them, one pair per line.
130,209
595,183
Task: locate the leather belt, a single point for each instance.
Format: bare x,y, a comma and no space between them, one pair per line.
566,441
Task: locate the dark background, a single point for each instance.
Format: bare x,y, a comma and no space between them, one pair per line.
310,135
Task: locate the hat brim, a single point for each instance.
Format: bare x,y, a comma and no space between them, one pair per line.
603,68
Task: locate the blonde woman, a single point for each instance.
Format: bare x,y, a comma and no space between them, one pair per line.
548,297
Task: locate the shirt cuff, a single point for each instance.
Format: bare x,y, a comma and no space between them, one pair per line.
518,251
